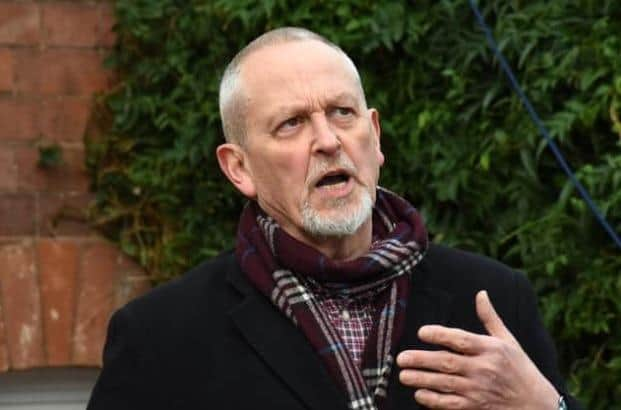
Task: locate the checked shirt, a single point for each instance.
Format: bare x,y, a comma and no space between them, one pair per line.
352,319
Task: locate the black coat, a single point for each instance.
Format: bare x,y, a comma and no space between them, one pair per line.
209,340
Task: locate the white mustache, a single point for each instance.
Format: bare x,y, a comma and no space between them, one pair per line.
320,167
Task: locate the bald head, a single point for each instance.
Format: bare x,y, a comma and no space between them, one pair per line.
233,100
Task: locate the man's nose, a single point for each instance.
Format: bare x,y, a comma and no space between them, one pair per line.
325,138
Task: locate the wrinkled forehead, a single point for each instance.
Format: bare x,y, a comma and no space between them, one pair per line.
304,66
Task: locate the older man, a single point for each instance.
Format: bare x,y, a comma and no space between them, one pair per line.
333,298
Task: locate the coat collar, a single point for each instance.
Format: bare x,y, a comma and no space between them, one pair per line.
285,349
426,306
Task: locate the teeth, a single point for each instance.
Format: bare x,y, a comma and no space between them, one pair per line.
333,180
332,186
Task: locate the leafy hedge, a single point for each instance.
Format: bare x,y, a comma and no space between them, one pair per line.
458,143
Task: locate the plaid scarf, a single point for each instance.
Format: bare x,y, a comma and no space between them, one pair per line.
284,270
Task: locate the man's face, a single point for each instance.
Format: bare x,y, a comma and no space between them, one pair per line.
312,147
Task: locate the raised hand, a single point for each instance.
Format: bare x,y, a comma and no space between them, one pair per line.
476,371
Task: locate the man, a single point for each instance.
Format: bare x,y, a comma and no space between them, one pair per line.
333,298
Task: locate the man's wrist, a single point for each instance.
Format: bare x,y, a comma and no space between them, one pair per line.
545,397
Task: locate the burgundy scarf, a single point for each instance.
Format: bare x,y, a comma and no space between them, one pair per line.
282,268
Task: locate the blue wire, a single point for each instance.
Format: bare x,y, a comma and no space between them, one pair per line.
542,129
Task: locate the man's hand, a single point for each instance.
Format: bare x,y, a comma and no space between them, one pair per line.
478,372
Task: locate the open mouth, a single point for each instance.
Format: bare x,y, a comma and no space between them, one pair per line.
333,179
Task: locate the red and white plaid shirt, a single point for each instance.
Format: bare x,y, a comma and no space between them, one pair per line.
352,319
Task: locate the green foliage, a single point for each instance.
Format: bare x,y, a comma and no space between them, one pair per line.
458,143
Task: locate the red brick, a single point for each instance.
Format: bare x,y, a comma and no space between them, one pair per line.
106,34
8,170
21,305
64,214
19,23
58,268
7,72
77,72
70,176
17,214
64,119
18,118
4,349
98,280
29,176
70,24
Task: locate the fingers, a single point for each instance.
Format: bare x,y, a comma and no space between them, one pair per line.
446,383
490,319
435,400
442,387
457,340
440,361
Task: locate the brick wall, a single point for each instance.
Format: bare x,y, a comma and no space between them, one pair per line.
59,281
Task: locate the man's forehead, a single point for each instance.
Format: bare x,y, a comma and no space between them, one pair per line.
344,98
269,51
275,61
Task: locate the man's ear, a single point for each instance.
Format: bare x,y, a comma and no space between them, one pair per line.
233,163
377,131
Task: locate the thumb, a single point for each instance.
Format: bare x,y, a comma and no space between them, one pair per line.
490,319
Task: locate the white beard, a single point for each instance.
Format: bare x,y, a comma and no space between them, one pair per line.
345,221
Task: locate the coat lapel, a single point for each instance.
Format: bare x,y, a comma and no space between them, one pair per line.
283,347
427,305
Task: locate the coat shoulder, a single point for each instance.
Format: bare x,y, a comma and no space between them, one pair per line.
460,275
181,297
447,268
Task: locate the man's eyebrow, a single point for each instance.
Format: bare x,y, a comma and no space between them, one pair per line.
344,97
284,111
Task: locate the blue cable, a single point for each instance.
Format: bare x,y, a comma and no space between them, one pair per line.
542,129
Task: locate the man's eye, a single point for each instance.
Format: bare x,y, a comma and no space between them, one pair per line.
290,123
343,111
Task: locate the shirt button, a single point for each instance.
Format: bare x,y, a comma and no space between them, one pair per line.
345,314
